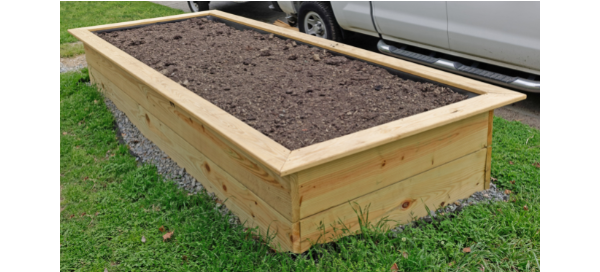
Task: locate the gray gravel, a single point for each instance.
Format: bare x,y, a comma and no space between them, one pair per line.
146,152
65,68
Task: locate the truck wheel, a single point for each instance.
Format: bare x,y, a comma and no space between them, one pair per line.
317,19
197,6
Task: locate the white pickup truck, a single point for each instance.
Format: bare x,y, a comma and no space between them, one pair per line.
498,42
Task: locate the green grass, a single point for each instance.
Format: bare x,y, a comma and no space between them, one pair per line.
82,14
68,50
110,203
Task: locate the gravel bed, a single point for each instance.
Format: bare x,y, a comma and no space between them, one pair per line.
65,68
146,152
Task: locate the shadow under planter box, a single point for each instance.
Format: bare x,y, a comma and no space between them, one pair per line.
395,169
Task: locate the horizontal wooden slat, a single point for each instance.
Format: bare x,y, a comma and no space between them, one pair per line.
274,189
317,154
401,201
241,201
335,182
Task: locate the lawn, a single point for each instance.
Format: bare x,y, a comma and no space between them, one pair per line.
110,203
82,14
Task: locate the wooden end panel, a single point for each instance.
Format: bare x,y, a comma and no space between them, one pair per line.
258,178
241,201
488,161
401,201
342,180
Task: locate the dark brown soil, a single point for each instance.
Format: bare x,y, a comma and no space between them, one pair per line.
294,94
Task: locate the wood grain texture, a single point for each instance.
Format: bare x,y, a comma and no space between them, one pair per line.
263,181
252,142
333,183
402,201
241,201
317,154
488,161
281,23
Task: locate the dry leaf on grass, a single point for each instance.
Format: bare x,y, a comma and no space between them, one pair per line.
451,264
466,249
537,164
184,258
494,179
143,239
510,162
481,267
404,254
65,133
167,236
507,191
161,229
394,268
512,182
525,208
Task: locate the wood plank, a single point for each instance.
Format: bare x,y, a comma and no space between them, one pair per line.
283,24
401,201
241,201
317,154
488,160
333,183
147,21
252,142
263,181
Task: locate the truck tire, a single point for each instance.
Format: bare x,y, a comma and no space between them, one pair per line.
197,6
317,19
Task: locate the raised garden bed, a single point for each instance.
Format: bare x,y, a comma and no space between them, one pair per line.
430,158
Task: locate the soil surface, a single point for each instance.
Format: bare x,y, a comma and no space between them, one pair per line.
294,94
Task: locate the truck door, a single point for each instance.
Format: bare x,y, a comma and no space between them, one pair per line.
354,16
508,32
412,22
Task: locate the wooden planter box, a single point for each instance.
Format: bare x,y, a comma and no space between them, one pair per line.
431,158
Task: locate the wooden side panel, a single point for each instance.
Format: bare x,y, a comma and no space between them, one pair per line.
334,183
402,201
243,202
488,160
274,189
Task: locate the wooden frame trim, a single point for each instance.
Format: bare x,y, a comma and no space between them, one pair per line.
273,155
